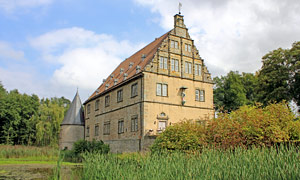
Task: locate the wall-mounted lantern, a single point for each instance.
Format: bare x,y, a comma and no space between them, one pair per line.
182,90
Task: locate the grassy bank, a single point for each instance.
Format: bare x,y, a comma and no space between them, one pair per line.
256,163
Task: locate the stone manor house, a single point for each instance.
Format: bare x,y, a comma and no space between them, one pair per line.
163,83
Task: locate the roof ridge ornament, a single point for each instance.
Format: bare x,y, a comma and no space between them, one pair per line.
179,7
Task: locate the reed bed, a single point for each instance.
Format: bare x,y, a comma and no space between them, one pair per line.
28,152
256,163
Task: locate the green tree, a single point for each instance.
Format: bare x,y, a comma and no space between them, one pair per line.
294,61
229,92
273,78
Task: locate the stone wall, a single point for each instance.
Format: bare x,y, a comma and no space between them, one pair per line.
70,134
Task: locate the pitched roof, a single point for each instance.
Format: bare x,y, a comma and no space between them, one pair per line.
74,115
134,61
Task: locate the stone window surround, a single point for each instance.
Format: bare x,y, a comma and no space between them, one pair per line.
198,96
134,90
134,123
162,93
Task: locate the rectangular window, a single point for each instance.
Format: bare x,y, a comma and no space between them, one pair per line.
188,67
198,69
87,131
96,130
162,125
121,126
134,123
89,108
172,44
163,63
120,95
107,100
161,89
106,128
200,95
185,47
158,89
176,44
176,65
172,64
197,94
97,105
189,48
134,90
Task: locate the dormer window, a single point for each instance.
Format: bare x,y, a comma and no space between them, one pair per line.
106,86
143,57
103,81
130,65
121,70
125,76
138,69
116,81
111,76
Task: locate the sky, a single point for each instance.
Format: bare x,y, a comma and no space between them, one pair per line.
52,47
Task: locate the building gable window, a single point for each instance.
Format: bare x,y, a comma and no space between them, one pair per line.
121,126
89,108
97,130
87,131
174,65
106,128
97,105
174,44
200,95
120,95
163,63
107,100
188,47
161,89
134,123
198,69
134,90
188,67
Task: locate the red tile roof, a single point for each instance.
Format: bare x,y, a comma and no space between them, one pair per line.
136,60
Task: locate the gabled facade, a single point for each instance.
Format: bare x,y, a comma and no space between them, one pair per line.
163,83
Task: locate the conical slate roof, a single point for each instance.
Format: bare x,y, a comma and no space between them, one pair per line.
74,115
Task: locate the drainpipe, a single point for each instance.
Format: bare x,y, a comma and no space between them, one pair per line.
141,114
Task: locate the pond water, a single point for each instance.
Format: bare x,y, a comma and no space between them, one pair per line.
37,172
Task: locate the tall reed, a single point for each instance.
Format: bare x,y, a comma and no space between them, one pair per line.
255,163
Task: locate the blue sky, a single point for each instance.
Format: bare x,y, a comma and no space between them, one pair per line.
51,47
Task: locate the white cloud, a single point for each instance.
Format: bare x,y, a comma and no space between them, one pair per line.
234,34
7,52
84,57
12,5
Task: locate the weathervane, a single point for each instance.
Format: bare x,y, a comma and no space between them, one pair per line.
179,7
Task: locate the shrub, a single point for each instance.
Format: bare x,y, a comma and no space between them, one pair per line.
183,136
82,146
245,127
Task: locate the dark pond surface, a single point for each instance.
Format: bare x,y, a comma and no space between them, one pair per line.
37,172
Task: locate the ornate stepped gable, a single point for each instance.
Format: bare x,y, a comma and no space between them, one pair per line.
146,59
74,115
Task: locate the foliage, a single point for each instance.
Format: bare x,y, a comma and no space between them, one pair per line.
83,146
279,77
183,136
234,90
26,120
245,127
255,163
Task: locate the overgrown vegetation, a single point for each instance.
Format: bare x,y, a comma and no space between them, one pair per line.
28,153
255,163
245,127
84,146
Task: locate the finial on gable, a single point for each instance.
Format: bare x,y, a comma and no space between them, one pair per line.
179,7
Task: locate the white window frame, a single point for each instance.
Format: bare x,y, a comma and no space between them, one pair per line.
161,89
172,64
176,65
200,95
176,45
